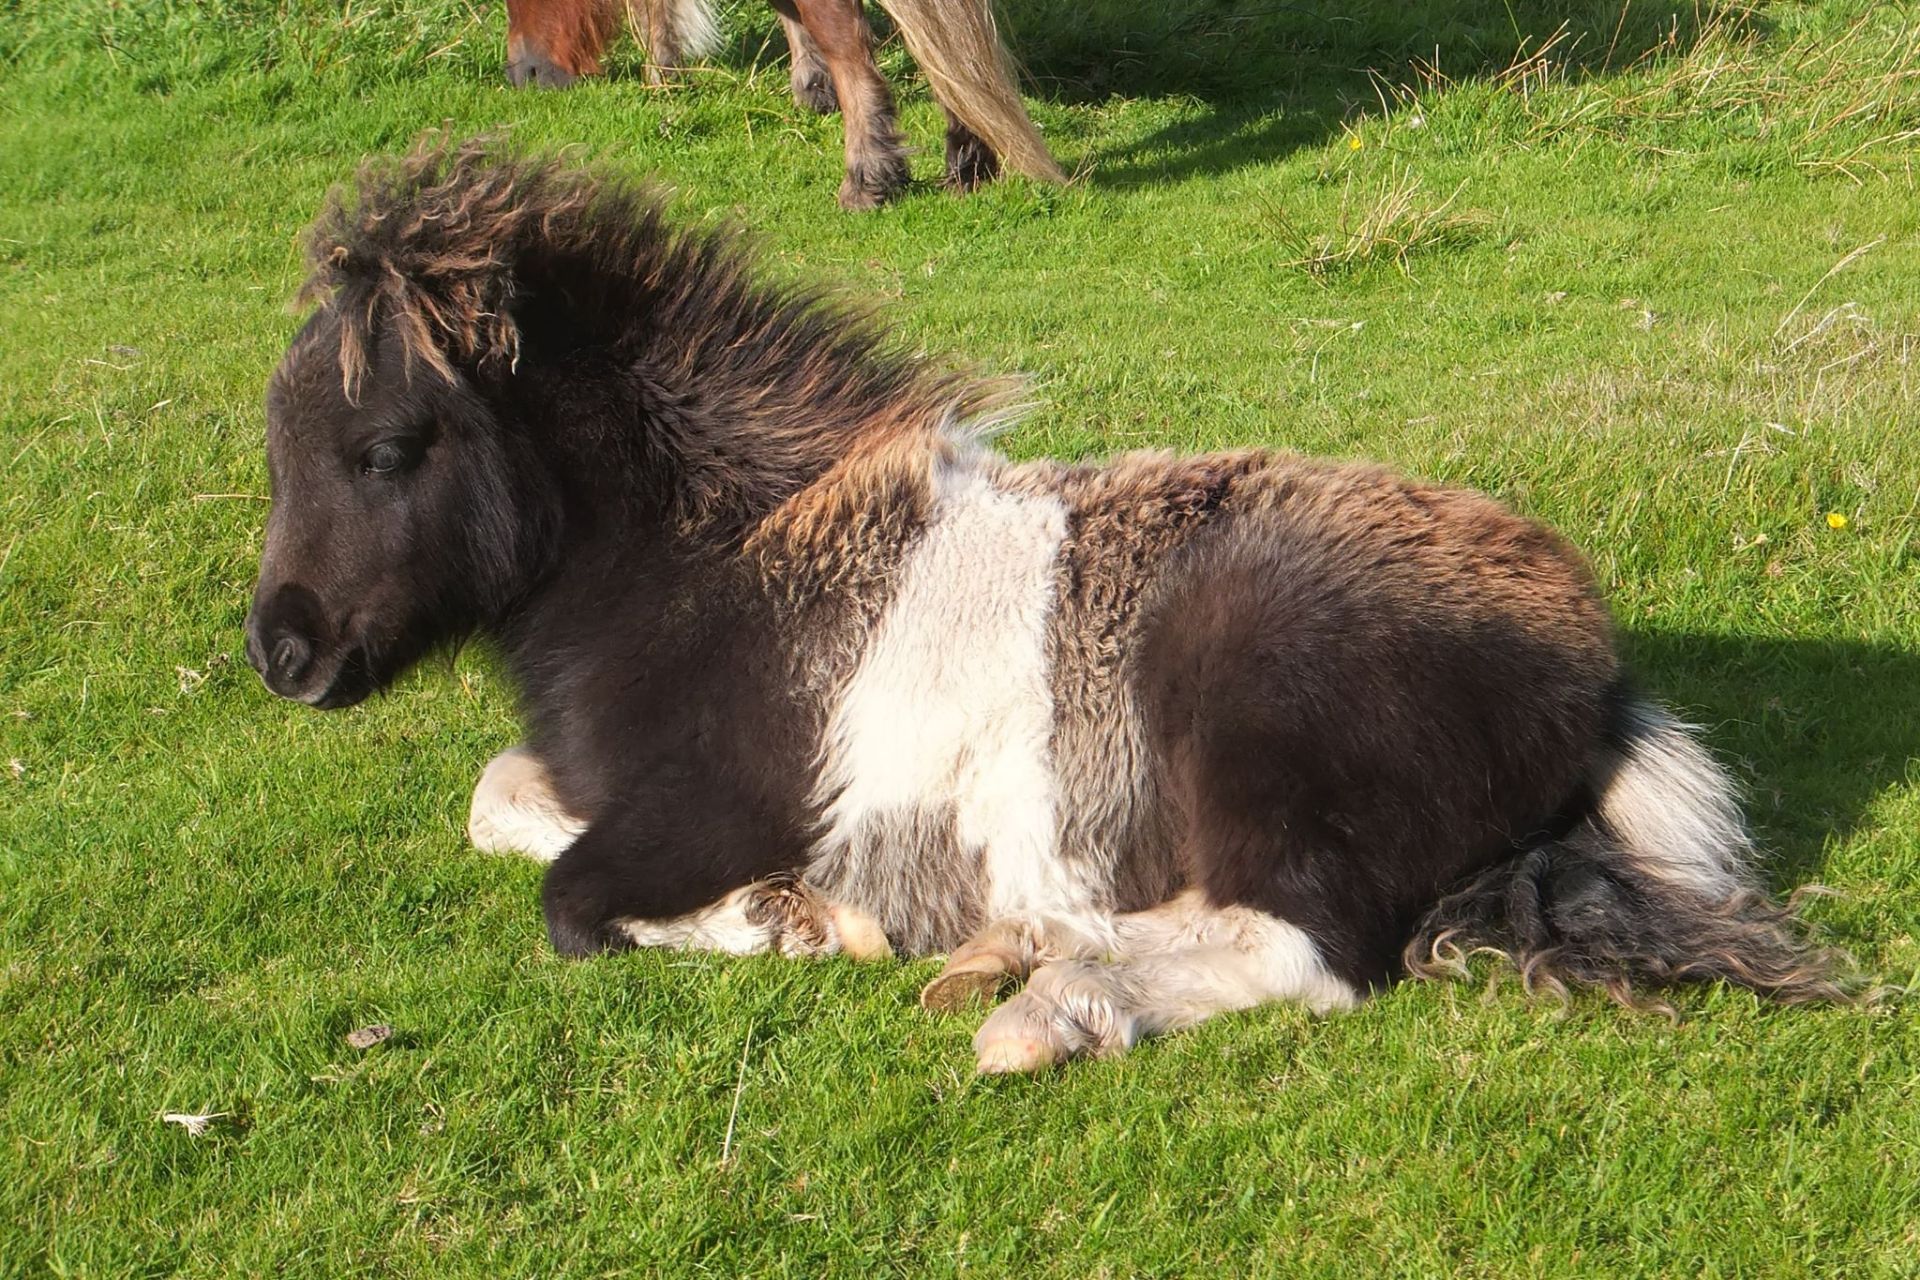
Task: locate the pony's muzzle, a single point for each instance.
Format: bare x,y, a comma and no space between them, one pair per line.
286,633
529,67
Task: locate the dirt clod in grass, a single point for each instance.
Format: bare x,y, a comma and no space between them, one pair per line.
367,1037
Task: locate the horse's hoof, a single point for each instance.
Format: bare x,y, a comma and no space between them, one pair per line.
970,166
1016,1055
861,937
871,183
1068,1010
814,92
954,989
1024,1034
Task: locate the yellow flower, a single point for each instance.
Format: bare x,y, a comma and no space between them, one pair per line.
1353,143
1835,520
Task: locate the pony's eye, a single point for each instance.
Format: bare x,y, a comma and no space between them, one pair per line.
385,457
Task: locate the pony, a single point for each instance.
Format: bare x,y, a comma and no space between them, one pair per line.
805,665
553,42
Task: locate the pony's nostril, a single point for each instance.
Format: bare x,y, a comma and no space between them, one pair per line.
529,70
291,656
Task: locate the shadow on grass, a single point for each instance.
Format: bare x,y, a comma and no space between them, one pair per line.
1268,78
1818,729
1271,78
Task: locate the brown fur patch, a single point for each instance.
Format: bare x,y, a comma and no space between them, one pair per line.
1130,518
1124,518
848,529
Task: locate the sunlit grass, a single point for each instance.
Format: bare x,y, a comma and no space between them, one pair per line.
1679,321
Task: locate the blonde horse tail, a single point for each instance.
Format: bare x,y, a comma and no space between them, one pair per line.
958,46
674,32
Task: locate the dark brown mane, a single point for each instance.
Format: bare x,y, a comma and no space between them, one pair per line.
477,258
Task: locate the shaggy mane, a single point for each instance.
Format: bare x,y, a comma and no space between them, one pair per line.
475,256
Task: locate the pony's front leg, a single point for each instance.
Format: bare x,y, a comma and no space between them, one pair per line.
770,915
653,862
876,157
807,76
515,809
665,871
781,914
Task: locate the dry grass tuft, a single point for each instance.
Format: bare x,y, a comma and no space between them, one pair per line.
1389,222
1845,105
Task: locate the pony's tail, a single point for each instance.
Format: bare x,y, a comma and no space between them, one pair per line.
958,47
1654,885
674,32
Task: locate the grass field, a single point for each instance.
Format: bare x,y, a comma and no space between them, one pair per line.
1652,276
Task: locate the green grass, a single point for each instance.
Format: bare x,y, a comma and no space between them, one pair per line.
1675,310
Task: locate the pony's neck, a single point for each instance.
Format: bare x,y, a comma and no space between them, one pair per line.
710,443
715,396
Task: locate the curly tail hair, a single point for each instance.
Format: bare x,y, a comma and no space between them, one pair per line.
1654,886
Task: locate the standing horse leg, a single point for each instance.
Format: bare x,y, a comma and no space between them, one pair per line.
675,32
970,161
958,47
876,158
809,78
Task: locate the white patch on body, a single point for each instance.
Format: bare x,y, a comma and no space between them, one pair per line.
514,809
949,714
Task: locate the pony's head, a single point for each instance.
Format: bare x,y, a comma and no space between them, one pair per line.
410,505
507,350
552,43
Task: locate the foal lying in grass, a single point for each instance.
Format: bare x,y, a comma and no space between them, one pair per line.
805,665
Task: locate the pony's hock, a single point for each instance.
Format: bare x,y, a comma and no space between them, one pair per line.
807,667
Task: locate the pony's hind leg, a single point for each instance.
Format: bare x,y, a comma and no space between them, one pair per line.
808,77
970,161
876,157
1177,965
1005,952
515,809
